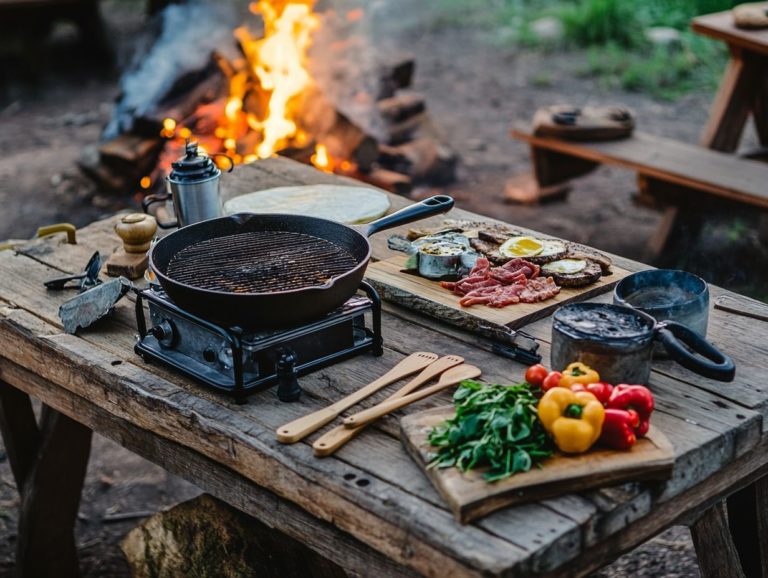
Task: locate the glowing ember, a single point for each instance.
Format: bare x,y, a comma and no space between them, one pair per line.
321,160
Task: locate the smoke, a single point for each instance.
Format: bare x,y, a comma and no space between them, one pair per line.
346,59
189,33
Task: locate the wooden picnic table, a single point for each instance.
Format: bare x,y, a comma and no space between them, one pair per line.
369,508
744,87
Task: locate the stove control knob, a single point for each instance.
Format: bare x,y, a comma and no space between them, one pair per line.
164,333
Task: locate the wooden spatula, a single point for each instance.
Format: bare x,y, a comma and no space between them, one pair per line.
338,436
299,428
449,378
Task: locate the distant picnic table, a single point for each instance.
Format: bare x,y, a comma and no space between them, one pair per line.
369,508
744,87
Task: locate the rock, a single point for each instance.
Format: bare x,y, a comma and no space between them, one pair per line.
205,537
547,29
663,36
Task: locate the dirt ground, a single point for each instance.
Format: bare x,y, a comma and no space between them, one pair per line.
474,90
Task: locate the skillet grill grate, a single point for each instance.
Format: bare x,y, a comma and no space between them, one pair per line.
260,262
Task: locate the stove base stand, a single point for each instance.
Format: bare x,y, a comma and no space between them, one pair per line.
239,363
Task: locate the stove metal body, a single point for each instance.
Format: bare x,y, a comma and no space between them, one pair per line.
239,362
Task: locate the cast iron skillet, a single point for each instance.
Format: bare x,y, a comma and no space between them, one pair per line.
278,308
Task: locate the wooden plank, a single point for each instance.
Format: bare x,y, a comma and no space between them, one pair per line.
714,545
205,473
221,431
118,341
687,165
429,297
720,26
470,497
733,103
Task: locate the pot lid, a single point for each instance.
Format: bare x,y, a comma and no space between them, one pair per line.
193,166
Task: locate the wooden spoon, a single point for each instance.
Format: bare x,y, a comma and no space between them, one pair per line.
449,378
338,436
300,428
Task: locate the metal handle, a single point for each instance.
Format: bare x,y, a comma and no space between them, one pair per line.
150,200
426,208
710,361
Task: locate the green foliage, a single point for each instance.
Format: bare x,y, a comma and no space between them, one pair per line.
660,71
599,22
495,426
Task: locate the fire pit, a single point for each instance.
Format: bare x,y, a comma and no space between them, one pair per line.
257,93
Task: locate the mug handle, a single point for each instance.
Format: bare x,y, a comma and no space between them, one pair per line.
159,198
711,362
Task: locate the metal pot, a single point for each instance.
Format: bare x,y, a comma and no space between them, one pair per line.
618,343
667,295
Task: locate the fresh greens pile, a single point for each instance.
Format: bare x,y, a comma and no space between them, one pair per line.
495,426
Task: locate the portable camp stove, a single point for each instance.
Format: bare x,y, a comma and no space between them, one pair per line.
242,362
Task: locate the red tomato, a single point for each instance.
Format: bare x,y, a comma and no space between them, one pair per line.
552,380
535,374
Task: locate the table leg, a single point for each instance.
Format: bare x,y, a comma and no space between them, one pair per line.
715,550
748,521
734,102
48,462
760,104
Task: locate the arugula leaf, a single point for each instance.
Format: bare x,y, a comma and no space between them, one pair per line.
496,427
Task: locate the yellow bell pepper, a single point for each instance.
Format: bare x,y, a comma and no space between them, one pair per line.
578,372
574,419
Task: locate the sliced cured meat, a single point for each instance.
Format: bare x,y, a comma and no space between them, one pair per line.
516,281
539,290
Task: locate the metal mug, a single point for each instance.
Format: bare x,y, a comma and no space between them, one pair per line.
618,343
193,186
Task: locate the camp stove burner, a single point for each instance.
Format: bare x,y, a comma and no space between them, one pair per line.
240,363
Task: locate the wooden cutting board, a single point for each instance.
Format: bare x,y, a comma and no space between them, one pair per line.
470,497
414,292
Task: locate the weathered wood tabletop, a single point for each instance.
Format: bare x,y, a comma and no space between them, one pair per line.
368,508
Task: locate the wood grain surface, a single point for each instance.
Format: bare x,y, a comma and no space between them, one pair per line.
414,292
470,497
369,507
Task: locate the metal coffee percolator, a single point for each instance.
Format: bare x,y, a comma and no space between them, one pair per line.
193,185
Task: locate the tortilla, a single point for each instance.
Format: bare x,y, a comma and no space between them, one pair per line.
343,204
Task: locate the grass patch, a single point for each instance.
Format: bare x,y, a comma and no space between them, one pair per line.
612,32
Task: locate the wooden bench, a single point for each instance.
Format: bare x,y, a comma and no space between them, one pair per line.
671,174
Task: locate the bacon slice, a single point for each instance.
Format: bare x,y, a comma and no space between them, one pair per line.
517,281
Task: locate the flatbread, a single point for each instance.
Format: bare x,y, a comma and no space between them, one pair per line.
343,204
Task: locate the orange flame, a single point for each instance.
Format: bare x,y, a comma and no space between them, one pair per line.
321,159
278,63
258,116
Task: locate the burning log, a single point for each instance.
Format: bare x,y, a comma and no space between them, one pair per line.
237,107
401,107
423,159
396,74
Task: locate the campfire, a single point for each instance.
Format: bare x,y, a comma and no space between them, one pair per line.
258,98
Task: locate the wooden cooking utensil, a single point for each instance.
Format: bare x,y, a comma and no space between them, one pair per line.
338,436
449,378
302,427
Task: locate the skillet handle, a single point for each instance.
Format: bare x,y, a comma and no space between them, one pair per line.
426,208
710,362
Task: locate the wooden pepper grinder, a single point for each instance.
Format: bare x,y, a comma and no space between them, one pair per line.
136,230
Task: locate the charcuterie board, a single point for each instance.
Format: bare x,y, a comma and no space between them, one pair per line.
394,284
470,497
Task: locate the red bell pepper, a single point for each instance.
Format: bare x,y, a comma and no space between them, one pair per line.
601,390
619,426
637,398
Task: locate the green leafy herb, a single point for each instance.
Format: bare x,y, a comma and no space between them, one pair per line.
495,426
